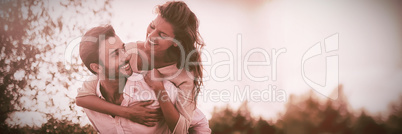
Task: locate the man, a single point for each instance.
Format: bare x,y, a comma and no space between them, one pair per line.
103,53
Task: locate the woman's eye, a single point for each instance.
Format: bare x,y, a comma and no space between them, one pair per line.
163,36
151,26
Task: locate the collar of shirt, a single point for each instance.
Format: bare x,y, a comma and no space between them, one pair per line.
168,70
134,77
98,92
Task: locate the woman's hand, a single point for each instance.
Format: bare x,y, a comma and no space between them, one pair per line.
140,114
154,80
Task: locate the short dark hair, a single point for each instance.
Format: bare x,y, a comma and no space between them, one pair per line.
89,45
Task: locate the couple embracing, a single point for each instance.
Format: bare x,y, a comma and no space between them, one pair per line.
145,87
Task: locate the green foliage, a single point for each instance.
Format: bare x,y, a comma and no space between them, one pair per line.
16,54
33,78
226,121
53,126
308,115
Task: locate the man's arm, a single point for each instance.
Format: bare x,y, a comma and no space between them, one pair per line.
137,113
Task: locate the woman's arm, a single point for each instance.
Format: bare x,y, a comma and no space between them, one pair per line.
171,115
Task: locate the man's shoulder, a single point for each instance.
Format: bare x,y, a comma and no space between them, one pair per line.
136,45
92,80
88,87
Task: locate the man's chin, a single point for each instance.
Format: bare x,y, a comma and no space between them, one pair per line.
125,74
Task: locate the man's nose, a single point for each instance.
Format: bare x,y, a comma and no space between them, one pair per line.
124,56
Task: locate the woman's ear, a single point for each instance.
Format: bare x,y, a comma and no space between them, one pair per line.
95,67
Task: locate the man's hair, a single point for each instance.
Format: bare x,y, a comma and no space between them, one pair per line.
89,45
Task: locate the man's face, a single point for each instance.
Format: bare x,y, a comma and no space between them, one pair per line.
115,61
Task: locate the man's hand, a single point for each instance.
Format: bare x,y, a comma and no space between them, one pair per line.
154,80
140,114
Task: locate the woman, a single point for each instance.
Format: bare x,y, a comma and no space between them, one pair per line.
172,46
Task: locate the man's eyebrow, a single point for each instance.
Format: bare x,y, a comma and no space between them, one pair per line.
114,51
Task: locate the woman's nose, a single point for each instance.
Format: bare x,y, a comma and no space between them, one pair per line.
153,36
152,33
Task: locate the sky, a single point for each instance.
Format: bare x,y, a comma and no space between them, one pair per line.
369,48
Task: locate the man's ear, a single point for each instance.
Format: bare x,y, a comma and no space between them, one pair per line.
95,67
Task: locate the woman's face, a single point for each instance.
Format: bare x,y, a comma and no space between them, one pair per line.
160,35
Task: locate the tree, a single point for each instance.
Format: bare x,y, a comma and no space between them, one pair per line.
222,120
367,125
307,114
394,122
263,127
33,78
226,120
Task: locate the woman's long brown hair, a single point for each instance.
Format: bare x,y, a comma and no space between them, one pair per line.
185,25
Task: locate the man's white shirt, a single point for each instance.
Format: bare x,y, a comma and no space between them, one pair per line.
135,91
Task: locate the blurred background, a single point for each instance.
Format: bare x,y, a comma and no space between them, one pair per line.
40,71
